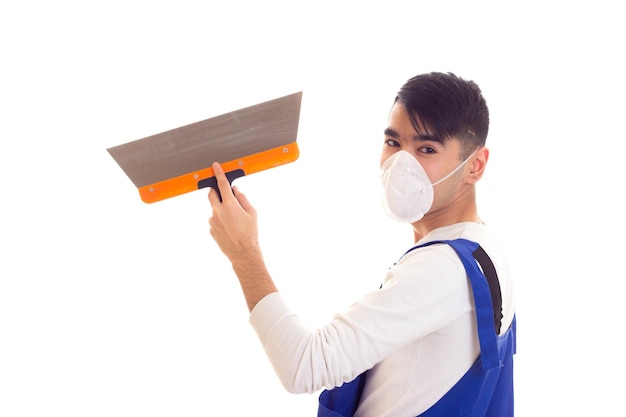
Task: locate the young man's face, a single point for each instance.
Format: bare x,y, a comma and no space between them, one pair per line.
437,159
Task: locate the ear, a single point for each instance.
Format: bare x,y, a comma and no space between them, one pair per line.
477,165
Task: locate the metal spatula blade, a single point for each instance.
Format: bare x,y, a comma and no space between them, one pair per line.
244,141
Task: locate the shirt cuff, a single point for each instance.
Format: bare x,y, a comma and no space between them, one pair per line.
268,311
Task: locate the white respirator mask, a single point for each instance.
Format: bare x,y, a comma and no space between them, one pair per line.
407,191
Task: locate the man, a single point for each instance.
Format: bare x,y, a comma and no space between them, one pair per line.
435,339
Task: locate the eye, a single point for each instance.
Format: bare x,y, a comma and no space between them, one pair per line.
427,150
392,143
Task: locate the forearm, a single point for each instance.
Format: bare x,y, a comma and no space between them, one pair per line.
234,228
254,278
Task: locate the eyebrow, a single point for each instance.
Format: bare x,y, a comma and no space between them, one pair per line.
425,137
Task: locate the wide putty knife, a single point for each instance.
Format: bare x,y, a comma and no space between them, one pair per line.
244,141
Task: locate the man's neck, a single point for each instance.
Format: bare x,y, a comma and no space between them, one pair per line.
435,220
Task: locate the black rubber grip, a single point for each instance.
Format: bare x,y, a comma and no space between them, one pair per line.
212,181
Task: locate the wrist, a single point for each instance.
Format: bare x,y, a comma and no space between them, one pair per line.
254,278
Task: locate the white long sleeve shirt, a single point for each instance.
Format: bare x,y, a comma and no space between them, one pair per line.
417,333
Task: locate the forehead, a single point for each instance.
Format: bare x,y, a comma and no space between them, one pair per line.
402,124
406,128
399,117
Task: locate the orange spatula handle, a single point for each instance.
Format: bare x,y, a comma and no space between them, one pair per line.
202,178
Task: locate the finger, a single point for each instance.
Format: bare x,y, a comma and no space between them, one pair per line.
214,197
222,182
243,200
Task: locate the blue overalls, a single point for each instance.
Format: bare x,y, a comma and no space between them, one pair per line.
486,389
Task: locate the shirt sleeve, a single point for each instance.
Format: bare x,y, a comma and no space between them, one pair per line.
422,293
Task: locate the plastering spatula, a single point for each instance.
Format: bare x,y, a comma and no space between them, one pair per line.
244,141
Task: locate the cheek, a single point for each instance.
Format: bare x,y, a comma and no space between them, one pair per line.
385,154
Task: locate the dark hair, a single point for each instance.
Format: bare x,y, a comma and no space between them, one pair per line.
447,107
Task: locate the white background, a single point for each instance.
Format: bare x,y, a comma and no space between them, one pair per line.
112,307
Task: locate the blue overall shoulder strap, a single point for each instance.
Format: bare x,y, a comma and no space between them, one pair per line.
486,389
482,298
